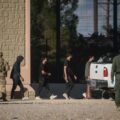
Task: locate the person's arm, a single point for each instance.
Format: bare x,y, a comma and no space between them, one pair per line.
20,76
45,73
65,73
87,70
7,67
75,77
73,74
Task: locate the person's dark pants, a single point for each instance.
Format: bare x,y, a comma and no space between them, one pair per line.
117,98
4,96
43,82
15,84
69,86
117,90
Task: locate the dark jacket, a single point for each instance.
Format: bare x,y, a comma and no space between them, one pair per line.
15,73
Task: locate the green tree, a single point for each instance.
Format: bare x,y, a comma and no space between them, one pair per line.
36,21
69,19
43,24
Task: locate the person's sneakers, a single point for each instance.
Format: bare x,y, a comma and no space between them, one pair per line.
84,95
25,98
37,98
53,97
65,96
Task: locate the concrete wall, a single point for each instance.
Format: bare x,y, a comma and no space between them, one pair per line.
12,29
15,34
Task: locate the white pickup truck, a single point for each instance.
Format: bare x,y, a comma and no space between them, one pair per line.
100,75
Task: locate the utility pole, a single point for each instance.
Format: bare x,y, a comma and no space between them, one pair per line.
58,43
46,47
115,40
95,15
108,17
107,4
115,3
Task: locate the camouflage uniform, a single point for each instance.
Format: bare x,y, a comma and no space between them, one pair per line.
4,67
116,72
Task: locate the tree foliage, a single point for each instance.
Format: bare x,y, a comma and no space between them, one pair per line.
43,22
69,20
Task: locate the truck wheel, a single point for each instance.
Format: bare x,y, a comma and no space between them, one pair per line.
112,95
105,95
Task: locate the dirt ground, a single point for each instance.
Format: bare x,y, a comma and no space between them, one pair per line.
60,110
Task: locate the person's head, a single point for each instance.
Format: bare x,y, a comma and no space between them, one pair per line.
91,58
1,54
69,57
44,60
20,58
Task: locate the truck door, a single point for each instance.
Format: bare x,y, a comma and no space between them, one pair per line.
96,71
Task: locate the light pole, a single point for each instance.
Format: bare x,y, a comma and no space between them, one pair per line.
115,40
58,43
95,15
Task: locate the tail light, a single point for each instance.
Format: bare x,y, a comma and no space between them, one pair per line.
105,72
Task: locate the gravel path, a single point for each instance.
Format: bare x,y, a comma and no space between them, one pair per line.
60,110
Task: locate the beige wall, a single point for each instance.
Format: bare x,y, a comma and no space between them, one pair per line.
12,30
15,33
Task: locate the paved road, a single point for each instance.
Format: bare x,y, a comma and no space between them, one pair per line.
59,110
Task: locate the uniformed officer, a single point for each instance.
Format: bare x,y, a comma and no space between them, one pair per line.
116,72
68,76
4,67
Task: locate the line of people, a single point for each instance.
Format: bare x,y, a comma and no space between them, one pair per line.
69,78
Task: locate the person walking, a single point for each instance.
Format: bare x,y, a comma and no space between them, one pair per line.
44,80
69,76
17,77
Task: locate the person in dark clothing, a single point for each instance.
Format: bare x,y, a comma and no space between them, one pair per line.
16,76
44,80
68,76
